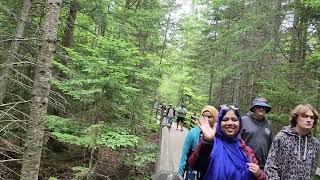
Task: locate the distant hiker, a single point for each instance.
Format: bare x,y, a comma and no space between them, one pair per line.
181,116
191,141
162,112
221,154
170,115
294,151
256,130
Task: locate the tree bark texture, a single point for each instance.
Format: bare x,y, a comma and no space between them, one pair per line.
210,88
68,33
236,88
40,93
165,35
299,34
5,68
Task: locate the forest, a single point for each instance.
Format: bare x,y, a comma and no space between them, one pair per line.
79,78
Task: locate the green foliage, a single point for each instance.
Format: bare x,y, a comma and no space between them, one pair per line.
53,178
70,131
118,139
108,74
278,117
143,159
277,90
72,139
151,124
113,71
317,177
65,125
80,172
312,65
313,3
278,121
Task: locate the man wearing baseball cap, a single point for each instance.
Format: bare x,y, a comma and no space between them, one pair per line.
256,129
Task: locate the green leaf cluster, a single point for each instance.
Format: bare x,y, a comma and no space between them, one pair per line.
80,172
70,131
118,139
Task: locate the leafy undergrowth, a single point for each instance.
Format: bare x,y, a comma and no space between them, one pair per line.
118,153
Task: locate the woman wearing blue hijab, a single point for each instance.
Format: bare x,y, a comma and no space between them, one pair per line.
221,153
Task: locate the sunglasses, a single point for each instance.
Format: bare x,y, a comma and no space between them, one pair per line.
260,107
226,107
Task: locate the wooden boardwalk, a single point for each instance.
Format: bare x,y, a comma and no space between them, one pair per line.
170,152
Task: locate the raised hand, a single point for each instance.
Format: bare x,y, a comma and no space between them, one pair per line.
207,131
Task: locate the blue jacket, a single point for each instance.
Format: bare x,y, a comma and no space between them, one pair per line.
190,144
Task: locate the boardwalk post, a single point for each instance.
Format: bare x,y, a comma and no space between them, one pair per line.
318,171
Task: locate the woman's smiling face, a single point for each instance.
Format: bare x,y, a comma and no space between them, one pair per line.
230,124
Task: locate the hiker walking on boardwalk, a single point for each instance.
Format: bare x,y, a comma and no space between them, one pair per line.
181,116
295,151
171,112
191,141
256,130
162,112
221,154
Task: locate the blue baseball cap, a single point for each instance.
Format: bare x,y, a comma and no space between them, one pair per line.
260,101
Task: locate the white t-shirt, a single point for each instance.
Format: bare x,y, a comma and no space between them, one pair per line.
170,113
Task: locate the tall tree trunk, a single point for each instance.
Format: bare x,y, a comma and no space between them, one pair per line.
303,38
294,34
5,72
250,89
299,33
210,89
166,33
68,33
221,92
103,28
236,88
91,161
40,93
278,18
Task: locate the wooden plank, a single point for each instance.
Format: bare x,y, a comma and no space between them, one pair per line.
318,171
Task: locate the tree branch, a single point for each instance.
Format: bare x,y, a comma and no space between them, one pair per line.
8,160
284,55
24,39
